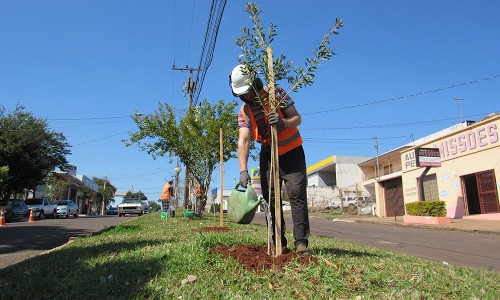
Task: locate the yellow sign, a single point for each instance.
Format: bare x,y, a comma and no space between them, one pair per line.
255,173
325,162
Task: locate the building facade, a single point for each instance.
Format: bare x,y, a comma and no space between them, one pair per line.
335,179
468,178
383,175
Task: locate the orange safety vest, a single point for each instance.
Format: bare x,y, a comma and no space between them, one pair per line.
288,138
166,194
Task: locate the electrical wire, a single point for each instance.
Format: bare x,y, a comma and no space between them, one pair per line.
89,118
173,11
394,124
358,139
405,97
100,139
208,48
190,34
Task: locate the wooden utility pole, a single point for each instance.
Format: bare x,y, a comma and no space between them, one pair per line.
221,203
377,169
103,208
274,172
190,90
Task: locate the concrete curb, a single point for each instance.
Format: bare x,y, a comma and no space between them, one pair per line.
437,227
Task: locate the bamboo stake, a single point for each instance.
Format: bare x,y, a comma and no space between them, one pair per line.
221,205
274,174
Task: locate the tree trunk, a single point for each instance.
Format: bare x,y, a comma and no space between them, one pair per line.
274,176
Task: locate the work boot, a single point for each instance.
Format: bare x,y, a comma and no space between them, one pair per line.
285,250
302,250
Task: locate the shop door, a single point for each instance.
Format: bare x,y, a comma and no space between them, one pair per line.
488,197
394,202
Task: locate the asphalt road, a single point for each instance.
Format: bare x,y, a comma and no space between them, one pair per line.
22,240
478,250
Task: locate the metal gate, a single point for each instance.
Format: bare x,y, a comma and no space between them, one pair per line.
488,197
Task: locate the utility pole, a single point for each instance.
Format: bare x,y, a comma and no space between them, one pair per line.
459,107
103,208
190,90
375,140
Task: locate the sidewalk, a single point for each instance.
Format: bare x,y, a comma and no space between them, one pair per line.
466,224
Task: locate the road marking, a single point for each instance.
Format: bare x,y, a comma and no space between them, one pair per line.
387,243
340,220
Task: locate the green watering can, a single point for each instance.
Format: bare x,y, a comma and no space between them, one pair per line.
189,213
241,205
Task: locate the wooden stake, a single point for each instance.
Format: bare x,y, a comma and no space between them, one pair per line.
274,174
221,206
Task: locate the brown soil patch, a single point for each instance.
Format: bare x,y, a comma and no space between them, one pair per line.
255,258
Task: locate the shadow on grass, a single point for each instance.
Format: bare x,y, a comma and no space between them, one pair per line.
343,252
115,270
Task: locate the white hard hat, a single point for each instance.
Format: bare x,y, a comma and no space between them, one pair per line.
240,83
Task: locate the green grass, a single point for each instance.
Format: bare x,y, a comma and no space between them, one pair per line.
147,258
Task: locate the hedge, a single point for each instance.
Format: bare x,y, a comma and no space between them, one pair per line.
426,208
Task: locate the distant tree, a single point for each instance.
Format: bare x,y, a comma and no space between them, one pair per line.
88,194
56,187
29,148
4,172
106,190
135,195
154,206
194,139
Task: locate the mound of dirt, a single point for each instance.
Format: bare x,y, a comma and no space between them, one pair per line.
255,258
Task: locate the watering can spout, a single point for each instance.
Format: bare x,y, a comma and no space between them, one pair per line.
241,205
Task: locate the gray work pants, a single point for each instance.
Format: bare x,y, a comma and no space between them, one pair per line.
293,172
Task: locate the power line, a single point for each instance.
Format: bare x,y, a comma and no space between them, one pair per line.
190,34
100,139
391,125
89,118
104,118
405,97
173,10
358,139
215,17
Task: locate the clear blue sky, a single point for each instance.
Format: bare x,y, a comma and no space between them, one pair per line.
87,66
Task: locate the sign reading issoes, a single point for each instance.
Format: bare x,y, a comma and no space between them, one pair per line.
472,140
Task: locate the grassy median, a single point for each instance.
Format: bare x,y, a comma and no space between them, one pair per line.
150,258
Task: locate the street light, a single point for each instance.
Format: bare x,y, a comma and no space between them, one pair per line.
177,170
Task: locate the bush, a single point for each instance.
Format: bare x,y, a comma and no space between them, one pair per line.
426,208
215,208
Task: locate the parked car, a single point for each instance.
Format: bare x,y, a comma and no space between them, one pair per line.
131,206
14,209
42,207
348,203
112,210
67,208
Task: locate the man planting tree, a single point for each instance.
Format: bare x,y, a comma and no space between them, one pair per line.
269,114
255,119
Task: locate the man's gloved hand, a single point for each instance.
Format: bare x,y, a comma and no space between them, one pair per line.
244,178
274,119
